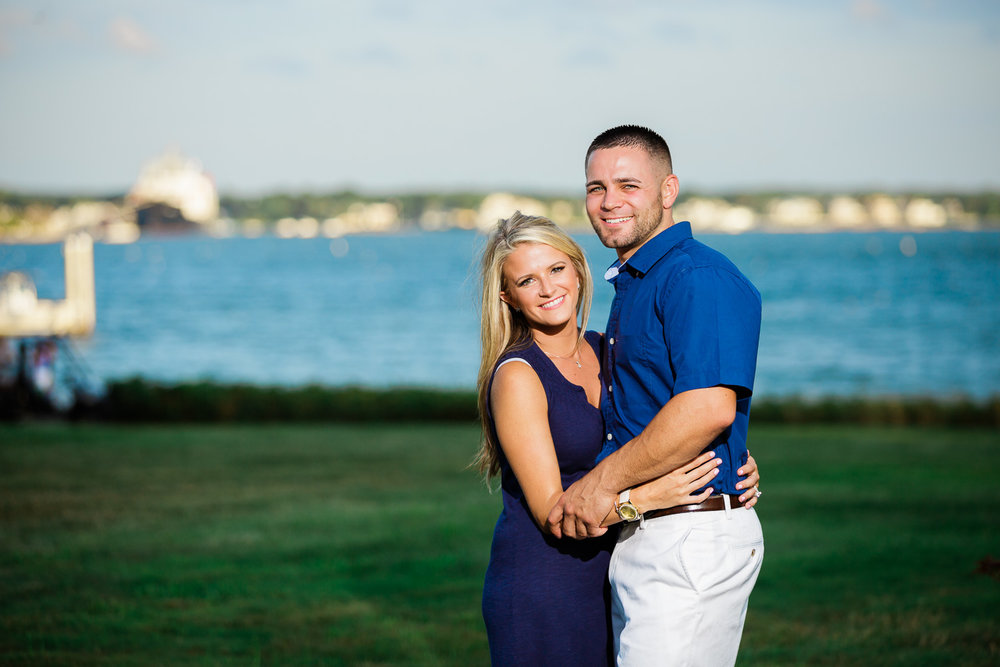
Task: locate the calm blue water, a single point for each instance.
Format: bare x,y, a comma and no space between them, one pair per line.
879,313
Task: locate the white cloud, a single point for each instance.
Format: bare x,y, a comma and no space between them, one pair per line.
129,36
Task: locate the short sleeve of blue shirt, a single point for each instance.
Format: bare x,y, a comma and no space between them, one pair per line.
712,331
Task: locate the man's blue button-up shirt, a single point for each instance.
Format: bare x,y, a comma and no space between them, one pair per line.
683,318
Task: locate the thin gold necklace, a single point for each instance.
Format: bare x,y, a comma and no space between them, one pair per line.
575,355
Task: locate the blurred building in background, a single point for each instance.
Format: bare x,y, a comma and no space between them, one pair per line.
173,193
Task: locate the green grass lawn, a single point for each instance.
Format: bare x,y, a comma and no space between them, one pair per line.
284,545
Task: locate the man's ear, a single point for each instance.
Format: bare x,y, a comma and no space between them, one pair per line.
669,189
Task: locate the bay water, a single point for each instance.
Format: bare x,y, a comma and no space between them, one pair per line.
844,313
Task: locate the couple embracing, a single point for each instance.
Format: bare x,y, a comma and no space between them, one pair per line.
627,532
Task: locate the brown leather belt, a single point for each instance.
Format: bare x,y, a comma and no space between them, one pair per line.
713,503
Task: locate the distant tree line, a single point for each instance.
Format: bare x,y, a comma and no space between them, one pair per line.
19,201
985,206
320,206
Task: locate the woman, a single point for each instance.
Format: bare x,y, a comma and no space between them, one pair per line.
546,600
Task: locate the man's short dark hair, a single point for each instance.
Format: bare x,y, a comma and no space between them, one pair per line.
633,136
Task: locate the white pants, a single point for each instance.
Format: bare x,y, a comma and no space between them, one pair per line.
680,586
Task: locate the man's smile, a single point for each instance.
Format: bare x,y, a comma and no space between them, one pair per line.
617,221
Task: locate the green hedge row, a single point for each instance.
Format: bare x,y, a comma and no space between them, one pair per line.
883,411
138,400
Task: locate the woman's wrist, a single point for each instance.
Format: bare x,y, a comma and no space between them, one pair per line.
650,496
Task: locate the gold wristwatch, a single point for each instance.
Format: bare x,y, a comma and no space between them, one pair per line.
624,507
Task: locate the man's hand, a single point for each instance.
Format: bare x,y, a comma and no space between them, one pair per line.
581,509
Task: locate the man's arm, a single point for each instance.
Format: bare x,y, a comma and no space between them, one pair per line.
681,430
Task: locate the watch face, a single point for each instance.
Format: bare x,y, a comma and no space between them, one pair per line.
628,512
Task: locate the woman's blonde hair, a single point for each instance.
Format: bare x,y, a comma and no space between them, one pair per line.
503,328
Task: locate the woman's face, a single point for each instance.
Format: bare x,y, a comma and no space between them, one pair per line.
543,283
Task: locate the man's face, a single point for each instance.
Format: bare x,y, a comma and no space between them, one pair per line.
625,197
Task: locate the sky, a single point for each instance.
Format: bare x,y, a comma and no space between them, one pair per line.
394,96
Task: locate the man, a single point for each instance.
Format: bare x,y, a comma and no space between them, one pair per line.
681,354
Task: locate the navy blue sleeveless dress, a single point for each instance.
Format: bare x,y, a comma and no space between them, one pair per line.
546,601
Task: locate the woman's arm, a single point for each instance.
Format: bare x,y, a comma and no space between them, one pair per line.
678,487
751,478
520,412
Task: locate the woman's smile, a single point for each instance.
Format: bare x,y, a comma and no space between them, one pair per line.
554,303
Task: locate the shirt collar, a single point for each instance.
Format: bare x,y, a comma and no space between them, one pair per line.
653,250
